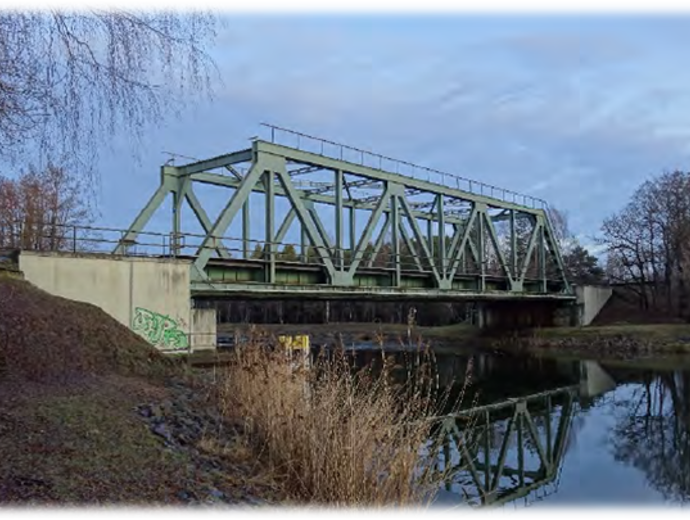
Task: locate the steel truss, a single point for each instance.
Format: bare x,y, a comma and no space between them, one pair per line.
498,245
476,456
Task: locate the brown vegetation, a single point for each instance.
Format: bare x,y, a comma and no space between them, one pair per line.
331,437
40,209
73,385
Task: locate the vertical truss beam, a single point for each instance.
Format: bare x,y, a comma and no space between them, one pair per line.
353,231
481,209
245,229
395,234
270,251
443,254
339,253
513,246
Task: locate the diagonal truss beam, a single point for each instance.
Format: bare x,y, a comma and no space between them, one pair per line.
384,201
228,213
436,258
379,240
203,219
420,240
306,218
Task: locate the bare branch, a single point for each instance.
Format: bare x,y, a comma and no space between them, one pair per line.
69,80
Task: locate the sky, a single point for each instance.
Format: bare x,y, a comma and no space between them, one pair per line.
578,109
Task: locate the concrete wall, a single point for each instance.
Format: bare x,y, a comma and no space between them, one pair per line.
591,299
204,329
149,295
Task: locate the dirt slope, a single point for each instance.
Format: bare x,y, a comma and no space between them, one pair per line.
48,338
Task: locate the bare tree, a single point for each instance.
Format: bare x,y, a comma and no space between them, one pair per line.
648,242
68,80
40,209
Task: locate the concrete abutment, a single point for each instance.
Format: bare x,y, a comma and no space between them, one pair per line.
151,296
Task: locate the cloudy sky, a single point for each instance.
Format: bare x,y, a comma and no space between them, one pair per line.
578,110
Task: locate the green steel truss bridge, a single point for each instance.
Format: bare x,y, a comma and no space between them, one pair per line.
362,225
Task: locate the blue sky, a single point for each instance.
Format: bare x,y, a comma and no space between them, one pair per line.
578,110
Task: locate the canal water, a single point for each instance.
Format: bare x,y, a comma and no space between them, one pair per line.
549,433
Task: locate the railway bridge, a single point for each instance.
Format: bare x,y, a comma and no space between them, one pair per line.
343,222
305,217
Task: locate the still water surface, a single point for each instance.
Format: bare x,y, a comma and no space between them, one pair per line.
564,433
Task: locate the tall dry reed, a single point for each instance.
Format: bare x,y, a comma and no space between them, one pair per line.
332,437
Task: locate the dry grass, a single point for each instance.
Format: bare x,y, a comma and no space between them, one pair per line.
331,437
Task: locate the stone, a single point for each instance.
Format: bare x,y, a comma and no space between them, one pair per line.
181,421
162,431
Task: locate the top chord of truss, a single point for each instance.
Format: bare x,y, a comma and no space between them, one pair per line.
333,150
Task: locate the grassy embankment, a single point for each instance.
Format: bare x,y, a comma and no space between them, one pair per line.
653,346
661,345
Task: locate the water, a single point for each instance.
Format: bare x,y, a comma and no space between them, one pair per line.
605,435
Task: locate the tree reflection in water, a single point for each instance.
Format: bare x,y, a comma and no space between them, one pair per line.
652,432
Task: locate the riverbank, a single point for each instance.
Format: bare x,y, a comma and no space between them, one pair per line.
90,413
651,345
619,342
119,440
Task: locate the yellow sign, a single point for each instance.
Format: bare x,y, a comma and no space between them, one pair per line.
299,342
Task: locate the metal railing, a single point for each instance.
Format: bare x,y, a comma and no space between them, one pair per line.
75,238
342,152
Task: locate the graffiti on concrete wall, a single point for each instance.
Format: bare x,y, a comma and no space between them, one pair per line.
160,330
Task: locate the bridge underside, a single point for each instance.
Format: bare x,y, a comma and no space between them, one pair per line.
398,230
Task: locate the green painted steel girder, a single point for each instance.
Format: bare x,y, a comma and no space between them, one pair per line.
201,289
439,263
263,147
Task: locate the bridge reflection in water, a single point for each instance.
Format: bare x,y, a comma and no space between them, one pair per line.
505,451
511,444
501,452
